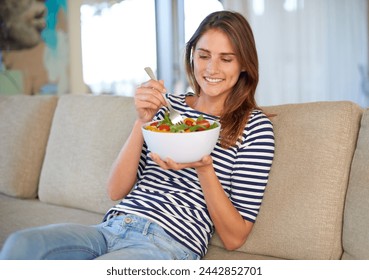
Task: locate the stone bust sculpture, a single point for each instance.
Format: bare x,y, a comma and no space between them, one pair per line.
21,23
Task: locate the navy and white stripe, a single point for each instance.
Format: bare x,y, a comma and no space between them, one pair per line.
174,199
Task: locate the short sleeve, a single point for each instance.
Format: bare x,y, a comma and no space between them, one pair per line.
251,170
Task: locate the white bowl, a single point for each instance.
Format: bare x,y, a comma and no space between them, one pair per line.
181,147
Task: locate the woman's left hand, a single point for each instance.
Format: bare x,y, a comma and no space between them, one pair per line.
170,164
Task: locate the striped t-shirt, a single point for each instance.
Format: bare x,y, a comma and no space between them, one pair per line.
174,199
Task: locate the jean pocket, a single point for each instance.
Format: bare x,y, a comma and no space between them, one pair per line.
177,250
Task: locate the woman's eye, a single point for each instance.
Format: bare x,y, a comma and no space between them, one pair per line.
203,56
227,59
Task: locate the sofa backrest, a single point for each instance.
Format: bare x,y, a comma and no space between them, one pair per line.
24,130
356,218
302,211
86,136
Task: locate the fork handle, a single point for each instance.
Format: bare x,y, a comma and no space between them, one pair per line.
150,73
152,76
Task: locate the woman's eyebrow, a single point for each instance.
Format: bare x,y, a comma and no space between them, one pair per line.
223,53
202,49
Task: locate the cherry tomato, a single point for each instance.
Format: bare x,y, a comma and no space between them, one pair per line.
164,127
203,123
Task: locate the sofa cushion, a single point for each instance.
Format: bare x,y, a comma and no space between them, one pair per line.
17,214
301,214
356,218
24,127
219,253
86,136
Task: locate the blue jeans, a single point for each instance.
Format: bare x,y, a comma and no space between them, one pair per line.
126,237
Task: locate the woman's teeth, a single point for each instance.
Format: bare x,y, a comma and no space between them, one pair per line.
211,80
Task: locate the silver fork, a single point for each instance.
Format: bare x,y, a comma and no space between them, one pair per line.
174,116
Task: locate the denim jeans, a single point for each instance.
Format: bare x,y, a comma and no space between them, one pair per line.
127,237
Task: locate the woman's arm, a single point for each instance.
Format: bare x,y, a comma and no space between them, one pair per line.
233,216
230,225
123,174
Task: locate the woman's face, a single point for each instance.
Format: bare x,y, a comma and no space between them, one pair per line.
216,66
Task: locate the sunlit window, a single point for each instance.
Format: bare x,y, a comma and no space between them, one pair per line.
258,7
196,11
293,5
118,41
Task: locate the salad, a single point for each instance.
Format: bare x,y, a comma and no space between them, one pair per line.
188,125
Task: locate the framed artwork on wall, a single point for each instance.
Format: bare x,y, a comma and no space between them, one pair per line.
34,51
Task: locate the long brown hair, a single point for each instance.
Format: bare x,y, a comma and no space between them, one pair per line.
241,101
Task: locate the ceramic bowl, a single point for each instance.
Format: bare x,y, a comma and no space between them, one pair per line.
181,147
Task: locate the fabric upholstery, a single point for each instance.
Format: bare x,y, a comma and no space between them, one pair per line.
301,214
219,253
87,134
24,130
356,217
17,214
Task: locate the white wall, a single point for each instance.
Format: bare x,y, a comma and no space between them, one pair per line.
74,31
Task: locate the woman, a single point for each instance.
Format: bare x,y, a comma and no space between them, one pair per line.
170,210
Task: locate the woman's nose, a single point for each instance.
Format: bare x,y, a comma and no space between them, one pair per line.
212,66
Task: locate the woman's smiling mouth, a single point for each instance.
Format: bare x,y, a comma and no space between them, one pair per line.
213,80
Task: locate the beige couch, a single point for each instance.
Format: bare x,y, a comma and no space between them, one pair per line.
55,155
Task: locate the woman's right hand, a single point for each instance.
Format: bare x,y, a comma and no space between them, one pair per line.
148,99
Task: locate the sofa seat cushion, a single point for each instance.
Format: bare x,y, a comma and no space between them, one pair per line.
302,210
356,218
17,214
86,136
219,253
24,128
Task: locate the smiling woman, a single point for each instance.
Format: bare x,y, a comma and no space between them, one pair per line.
21,23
